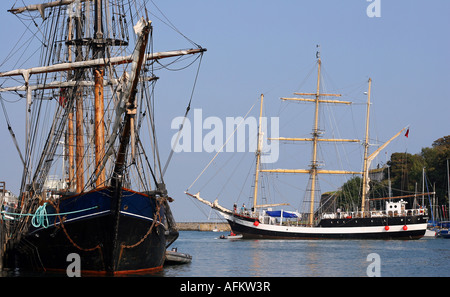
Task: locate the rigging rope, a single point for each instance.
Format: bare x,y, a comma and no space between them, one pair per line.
184,119
13,135
220,150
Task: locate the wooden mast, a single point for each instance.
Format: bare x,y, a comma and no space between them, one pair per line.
99,128
99,133
314,167
313,173
366,150
258,155
70,138
139,56
79,151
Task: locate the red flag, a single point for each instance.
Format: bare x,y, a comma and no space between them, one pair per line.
407,133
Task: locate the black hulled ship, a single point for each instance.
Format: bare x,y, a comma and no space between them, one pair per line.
92,181
264,221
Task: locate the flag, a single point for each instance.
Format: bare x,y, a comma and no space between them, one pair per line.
407,133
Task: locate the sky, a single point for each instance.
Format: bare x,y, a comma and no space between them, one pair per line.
269,47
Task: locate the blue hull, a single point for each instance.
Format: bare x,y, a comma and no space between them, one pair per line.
110,236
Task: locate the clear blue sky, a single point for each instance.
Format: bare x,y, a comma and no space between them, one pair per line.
261,46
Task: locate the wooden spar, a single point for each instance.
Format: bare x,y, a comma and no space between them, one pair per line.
258,155
42,7
57,85
314,94
320,101
99,62
310,139
318,171
404,196
214,205
375,153
131,106
365,181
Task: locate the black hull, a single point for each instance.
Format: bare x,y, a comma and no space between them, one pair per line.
362,228
107,243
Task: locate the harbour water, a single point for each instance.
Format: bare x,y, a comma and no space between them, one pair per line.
223,258
214,257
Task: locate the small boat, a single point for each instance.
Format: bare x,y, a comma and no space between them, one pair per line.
173,257
231,236
443,233
429,233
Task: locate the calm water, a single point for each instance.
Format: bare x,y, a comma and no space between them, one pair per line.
213,257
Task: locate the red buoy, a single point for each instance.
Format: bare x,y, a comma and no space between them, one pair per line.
256,223
405,228
386,228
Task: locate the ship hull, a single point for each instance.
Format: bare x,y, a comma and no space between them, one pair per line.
106,241
362,228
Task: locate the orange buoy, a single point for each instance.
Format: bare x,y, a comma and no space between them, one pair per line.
386,228
405,228
256,223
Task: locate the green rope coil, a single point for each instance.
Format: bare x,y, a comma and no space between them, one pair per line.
40,216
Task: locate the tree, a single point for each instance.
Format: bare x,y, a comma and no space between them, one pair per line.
349,196
436,166
406,172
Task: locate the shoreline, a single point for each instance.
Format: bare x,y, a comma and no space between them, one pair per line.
203,226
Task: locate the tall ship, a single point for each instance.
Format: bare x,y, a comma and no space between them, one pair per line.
92,180
264,221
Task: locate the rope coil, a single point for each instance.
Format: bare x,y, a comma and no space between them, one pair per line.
40,217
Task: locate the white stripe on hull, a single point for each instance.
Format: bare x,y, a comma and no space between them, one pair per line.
305,231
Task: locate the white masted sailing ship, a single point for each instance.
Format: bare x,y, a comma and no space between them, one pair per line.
395,221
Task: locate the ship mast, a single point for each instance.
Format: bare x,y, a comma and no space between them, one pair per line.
258,164
77,68
258,154
314,170
315,134
98,53
79,138
365,189
69,139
